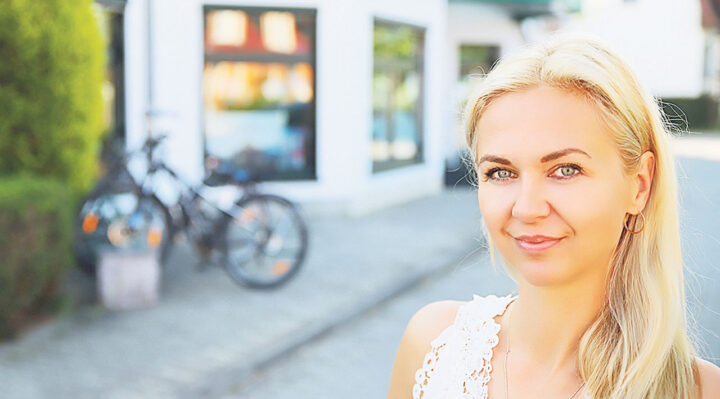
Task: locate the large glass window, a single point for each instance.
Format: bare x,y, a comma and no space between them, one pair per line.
475,61
259,90
397,128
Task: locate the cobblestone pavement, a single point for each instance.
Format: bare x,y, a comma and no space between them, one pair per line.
697,145
207,332
355,360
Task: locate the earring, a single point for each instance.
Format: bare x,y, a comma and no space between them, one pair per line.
643,224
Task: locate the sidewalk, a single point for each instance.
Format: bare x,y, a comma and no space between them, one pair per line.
704,146
207,334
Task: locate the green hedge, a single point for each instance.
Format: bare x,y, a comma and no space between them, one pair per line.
36,223
51,75
693,113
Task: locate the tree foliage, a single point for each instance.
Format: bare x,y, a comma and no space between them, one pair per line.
51,75
35,220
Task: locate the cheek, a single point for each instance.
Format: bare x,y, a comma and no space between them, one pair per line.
495,207
590,212
594,215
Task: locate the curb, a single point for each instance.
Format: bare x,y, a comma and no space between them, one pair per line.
227,380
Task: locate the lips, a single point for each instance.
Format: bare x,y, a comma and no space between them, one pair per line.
537,238
537,243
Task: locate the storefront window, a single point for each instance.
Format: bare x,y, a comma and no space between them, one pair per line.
475,62
397,128
259,90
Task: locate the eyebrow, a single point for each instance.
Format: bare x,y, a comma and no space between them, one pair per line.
547,158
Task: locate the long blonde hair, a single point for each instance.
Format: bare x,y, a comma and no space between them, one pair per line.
638,346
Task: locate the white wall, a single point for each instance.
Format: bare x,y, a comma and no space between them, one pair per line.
400,185
345,182
712,66
472,24
662,40
135,72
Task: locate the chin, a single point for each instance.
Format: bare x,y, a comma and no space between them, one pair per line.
541,273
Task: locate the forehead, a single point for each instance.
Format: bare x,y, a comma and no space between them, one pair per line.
540,120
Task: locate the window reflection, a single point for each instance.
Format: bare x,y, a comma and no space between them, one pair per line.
278,32
397,95
227,28
475,62
258,90
252,85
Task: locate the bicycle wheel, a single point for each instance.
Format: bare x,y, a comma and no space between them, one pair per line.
118,217
265,242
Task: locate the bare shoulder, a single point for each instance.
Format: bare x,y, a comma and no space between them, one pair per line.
424,326
428,322
708,379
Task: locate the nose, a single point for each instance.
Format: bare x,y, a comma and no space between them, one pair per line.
531,203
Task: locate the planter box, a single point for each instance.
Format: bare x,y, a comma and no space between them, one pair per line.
128,279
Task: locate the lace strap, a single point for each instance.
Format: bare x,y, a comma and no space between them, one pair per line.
432,358
462,350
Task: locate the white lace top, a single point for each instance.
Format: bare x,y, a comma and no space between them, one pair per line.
458,364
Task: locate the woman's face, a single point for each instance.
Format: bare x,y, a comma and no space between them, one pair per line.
547,166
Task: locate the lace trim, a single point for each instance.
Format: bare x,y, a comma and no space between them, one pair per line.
466,346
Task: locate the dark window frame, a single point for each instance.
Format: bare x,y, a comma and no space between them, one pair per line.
310,173
493,49
116,137
113,5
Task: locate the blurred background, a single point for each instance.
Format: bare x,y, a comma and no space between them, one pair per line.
348,108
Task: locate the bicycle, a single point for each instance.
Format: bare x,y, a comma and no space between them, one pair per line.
261,241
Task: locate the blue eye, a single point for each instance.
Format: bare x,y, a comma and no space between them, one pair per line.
503,174
567,171
571,170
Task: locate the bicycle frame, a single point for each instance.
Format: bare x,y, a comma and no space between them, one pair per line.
188,199
244,234
202,229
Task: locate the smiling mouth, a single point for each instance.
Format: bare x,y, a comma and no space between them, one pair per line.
537,245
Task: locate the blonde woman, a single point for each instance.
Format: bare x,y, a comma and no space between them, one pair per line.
577,188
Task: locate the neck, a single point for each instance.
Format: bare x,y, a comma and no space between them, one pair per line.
547,323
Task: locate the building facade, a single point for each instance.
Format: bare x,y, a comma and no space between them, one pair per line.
337,104
349,106
672,46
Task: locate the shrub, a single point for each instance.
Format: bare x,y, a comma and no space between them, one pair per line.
36,223
51,77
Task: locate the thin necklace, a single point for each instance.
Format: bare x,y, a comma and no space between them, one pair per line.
507,351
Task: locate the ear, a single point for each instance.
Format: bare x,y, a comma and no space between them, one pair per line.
642,181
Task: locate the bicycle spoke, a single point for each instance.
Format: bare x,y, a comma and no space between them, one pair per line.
276,238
